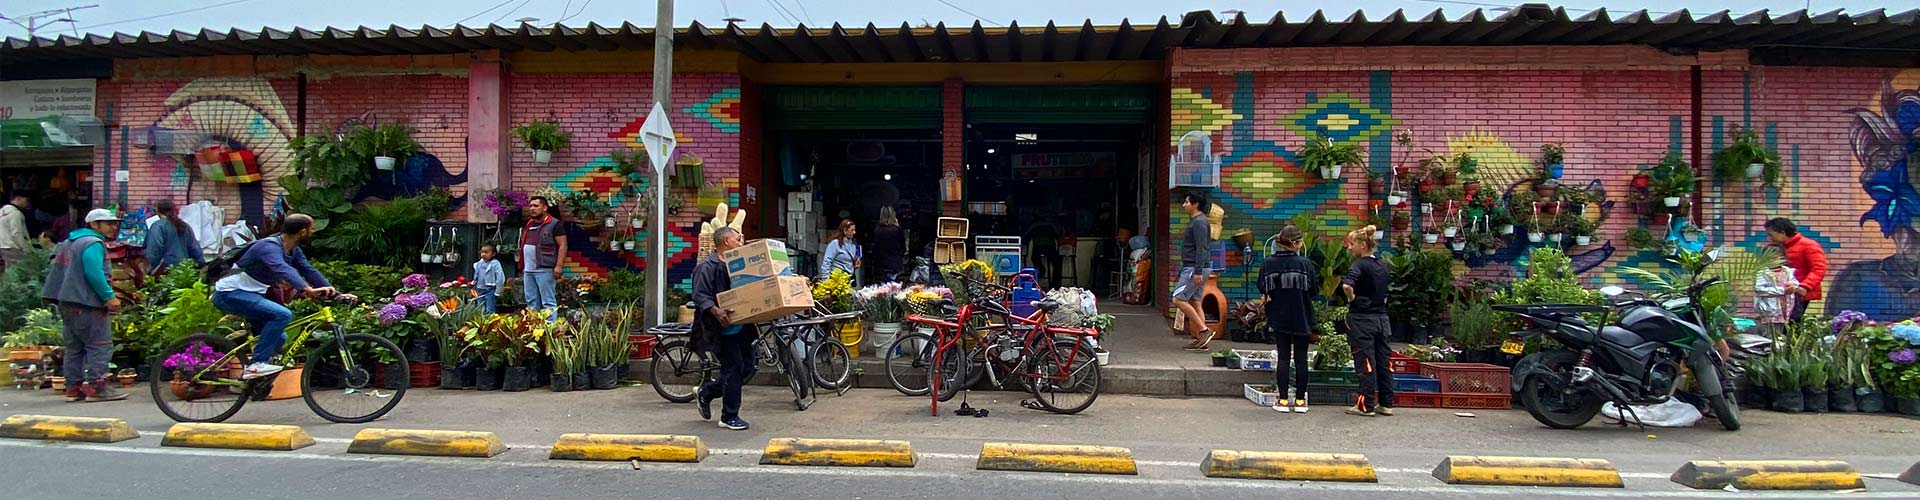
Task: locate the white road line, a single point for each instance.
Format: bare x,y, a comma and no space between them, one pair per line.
921,473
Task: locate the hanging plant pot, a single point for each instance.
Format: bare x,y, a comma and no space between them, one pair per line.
1425,185
383,162
451,258
1470,188
437,258
609,222
1426,208
1582,240
1671,201
1536,237
1459,246
1545,190
1556,237
1489,251
1447,178
1431,238
1376,185
426,258
1396,198
1555,170
1400,224
542,156
628,244
1505,229
1450,231
1755,169
1332,172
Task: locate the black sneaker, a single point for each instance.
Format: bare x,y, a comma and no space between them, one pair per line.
706,405
733,424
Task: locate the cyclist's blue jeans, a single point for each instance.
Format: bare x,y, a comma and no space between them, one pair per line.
268,318
736,367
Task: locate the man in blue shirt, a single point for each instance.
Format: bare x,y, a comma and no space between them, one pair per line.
714,332
77,284
266,263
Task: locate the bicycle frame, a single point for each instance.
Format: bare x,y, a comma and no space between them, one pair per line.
947,335
304,325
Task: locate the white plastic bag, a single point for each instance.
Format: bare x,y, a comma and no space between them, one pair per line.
1669,414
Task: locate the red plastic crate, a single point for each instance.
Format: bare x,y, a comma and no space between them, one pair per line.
423,374
640,346
1470,378
1453,401
1401,363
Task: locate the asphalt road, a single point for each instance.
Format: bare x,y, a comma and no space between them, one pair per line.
1168,436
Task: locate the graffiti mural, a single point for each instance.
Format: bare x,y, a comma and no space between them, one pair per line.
240,114
1884,144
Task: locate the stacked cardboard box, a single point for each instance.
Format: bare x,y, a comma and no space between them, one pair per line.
763,285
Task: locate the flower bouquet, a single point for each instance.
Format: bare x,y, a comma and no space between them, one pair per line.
883,303
836,292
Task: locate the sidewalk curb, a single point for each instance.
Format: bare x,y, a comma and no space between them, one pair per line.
1529,471
628,447
1286,466
58,428
1912,476
426,443
838,452
1057,458
1770,475
237,437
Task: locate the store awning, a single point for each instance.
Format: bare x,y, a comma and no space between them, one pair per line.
65,156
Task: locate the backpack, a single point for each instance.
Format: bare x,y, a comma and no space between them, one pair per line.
225,265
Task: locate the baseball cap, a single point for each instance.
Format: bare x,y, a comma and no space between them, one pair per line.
101,214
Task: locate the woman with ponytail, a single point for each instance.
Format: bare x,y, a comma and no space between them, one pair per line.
170,240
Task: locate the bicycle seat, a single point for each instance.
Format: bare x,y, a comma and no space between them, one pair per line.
671,329
947,307
1047,305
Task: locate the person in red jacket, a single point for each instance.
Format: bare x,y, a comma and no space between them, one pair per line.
1808,260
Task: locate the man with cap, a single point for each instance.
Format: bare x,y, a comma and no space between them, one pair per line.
77,285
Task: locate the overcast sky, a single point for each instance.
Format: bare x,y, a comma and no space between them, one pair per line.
132,16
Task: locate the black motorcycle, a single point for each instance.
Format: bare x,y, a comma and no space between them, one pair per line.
1637,361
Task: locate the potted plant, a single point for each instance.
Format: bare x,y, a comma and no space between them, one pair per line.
1672,179
1556,229
1641,238
195,358
884,306
586,207
543,137
1574,199
565,352
1380,222
1376,183
1501,221
1320,154
1747,157
1401,220
1431,235
1485,241
383,143
1579,227
1468,168
1553,156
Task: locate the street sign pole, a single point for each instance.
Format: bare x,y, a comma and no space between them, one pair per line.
657,229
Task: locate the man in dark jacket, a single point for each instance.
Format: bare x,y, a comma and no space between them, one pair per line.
1289,282
714,332
77,284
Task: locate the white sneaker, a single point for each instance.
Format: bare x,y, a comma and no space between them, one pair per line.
1300,405
1282,407
258,370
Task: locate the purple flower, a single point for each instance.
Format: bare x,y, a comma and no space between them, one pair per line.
504,203
392,313
415,280
1903,356
1848,320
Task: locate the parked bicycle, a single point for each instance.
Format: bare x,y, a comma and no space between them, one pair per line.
810,353
197,379
1056,364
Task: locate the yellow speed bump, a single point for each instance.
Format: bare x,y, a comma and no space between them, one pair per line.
629,447
56,428
1529,471
426,443
838,452
1057,458
1769,475
1289,466
237,436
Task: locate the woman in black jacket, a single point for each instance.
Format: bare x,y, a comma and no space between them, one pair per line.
1289,282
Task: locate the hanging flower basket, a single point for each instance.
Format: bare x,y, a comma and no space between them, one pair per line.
383,162
542,156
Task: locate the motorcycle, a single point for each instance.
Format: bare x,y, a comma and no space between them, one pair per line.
1638,361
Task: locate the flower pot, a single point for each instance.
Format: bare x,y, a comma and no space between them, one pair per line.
1430,238
1447,178
562,382
1556,237
640,346
1907,406
1840,399
1424,186
1459,246
883,334
1536,237
542,156
422,349
1642,181
1755,169
1379,235
609,222
453,258
453,376
128,379
1426,208
487,378
1400,224
1545,190
1583,240
1376,186
1470,188
426,258
1450,231
628,244
603,377
1505,229
1671,201
620,371
581,381
1489,251
1331,173
437,259
286,385
1789,401
1814,399
1870,400
1396,198
383,162
1101,356
187,391
1220,361
1754,397
516,379
1556,170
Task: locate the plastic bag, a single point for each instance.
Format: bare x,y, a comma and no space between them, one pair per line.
1668,414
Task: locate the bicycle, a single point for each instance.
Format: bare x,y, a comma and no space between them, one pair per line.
1055,364
677,371
203,384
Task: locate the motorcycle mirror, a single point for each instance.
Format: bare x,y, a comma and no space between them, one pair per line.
1612,291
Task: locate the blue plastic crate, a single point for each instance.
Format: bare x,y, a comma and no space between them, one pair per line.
1415,383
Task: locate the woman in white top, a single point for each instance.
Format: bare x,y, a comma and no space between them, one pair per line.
841,252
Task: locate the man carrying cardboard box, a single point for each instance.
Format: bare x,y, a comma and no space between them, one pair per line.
714,332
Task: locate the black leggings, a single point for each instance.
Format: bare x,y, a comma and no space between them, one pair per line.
1291,350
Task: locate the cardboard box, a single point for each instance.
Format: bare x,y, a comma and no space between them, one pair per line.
756,260
800,202
767,299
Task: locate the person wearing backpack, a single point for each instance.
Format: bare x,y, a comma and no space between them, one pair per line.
242,283
77,284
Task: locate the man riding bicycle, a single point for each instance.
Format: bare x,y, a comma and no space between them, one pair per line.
266,263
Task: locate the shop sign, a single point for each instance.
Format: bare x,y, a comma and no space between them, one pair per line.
1062,165
39,98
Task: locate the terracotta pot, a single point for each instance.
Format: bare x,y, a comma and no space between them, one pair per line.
1447,178
127,380
286,385
188,391
1401,224
58,383
1470,188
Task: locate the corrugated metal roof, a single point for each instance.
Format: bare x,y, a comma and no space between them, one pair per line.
1528,25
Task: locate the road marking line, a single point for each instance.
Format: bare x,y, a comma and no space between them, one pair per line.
924,473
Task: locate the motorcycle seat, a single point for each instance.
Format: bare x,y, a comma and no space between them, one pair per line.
1621,337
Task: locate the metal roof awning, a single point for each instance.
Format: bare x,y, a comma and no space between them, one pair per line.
1531,24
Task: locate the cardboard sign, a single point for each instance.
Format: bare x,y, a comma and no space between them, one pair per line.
756,260
767,299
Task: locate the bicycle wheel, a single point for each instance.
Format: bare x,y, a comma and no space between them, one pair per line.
1069,377
677,371
831,366
338,383
909,359
955,370
213,397
799,376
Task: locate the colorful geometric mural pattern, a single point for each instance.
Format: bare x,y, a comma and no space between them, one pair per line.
722,110
1339,117
1192,111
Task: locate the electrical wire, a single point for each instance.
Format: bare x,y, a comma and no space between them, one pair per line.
803,10
482,13
169,14
783,15
583,8
970,13
516,8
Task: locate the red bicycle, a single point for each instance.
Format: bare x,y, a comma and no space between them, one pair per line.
1056,364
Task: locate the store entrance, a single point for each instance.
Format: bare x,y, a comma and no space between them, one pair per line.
853,176
1067,191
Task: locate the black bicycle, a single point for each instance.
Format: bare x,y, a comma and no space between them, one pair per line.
800,347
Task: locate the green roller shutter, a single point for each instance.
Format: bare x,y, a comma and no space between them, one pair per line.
853,108
1085,104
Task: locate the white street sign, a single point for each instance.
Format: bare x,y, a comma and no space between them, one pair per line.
657,135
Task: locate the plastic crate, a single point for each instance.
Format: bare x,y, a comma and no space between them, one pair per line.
1401,363
1453,401
1255,365
1415,383
1470,378
953,227
1340,377
1260,398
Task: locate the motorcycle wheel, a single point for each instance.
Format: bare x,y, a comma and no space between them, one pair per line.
1725,407
1545,397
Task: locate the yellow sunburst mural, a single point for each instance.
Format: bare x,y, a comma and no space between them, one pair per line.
1500,165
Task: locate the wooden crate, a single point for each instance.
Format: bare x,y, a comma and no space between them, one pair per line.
953,227
949,251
